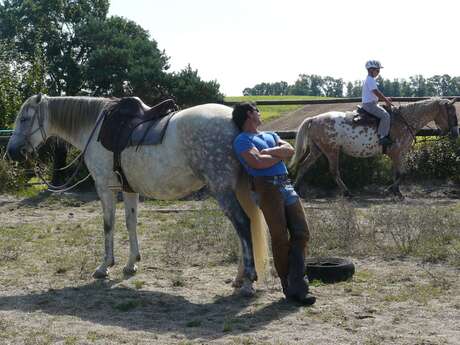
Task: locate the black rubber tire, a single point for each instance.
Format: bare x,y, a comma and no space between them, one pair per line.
329,269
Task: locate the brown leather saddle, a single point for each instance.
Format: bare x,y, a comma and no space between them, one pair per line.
127,123
364,118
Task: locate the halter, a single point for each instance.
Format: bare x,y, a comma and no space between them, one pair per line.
38,115
65,186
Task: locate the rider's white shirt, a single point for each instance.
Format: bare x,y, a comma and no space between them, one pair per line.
369,85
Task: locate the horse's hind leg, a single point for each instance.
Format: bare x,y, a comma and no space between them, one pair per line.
108,202
311,158
131,201
333,159
232,209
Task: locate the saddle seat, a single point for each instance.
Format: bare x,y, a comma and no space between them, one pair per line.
129,122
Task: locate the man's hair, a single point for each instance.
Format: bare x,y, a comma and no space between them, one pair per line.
240,113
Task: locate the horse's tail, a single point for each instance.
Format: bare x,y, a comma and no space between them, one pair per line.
301,145
258,226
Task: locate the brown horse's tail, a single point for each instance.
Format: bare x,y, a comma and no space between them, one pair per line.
258,227
301,145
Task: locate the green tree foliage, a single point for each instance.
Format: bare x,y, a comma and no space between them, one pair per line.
188,88
416,86
18,78
52,26
121,53
308,85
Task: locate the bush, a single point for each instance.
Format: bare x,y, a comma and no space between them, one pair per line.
429,159
435,159
355,172
12,176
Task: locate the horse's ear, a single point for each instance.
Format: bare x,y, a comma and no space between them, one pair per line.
39,98
453,100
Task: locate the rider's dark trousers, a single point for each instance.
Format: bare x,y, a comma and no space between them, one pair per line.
289,233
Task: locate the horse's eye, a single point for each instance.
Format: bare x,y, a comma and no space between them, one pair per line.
24,119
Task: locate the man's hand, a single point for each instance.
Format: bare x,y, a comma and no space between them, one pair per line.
284,150
258,160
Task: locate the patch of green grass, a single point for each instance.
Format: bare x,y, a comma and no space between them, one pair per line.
271,112
270,98
421,293
138,284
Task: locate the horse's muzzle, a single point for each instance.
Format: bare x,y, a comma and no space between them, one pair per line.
16,153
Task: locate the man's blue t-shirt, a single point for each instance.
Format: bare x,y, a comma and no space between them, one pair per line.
262,140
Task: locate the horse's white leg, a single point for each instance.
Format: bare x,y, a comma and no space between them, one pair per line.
108,201
131,201
333,159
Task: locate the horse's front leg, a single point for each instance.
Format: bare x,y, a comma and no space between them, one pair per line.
108,201
397,168
131,201
232,209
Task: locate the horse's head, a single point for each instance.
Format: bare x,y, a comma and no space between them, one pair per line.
30,128
447,119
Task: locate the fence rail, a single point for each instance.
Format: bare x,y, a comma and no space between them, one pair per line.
424,132
331,101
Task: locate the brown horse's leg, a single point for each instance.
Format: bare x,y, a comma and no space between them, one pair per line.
333,159
311,158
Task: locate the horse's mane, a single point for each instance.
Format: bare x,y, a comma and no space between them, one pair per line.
417,107
71,115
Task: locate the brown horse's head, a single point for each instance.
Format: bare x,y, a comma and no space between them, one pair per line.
447,119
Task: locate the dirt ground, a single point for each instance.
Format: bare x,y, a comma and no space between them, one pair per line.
292,120
182,294
47,294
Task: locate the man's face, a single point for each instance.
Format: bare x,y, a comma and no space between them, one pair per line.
254,116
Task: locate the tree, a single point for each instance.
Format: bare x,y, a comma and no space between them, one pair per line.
188,89
52,27
120,52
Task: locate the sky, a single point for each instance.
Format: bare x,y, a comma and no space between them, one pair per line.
241,43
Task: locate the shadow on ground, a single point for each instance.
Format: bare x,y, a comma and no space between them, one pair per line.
102,302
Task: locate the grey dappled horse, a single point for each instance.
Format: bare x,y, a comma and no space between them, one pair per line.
196,151
332,132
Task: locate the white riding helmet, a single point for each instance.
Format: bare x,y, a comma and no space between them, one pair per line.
373,64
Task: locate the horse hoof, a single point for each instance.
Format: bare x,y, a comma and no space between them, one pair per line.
247,291
348,195
130,270
237,283
101,273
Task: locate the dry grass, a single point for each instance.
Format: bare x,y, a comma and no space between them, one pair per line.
407,276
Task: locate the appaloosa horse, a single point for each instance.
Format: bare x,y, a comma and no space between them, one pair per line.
196,151
332,132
